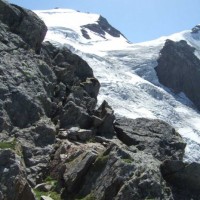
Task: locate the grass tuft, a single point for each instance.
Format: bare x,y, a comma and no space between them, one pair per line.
8,145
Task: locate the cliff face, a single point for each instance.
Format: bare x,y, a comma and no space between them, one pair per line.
53,140
179,69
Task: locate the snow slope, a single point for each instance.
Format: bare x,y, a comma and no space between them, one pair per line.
126,73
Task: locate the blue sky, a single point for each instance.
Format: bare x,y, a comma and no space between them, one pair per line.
138,20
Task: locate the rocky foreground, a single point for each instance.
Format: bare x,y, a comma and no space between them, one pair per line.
55,143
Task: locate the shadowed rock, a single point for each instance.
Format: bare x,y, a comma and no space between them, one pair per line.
183,177
101,28
179,69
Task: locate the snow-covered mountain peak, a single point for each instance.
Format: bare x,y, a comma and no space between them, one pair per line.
75,28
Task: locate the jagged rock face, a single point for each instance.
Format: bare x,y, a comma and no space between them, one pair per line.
101,28
67,65
179,69
23,22
151,136
112,171
36,91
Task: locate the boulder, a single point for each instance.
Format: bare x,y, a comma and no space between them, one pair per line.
23,22
77,134
155,137
76,170
91,86
103,120
73,115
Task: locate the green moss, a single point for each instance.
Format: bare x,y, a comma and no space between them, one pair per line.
8,145
91,140
55,196
52,194
39,193
14,145
49,179
52,182
100,162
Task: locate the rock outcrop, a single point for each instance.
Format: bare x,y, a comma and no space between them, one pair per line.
151,136
24,23
178,69
101,28
196,29
55,143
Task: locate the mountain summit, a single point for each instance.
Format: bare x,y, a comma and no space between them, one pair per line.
75,29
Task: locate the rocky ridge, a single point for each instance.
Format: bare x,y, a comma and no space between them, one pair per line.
101,27
178,69
55,143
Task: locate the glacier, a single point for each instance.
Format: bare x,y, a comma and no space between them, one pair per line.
126,72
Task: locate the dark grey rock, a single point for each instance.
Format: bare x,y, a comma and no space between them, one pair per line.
101,28
178,69
196,29
74,115
183,177
56,90
151,136
76,170
69,64
105,125
22,110
12,177
91,86
40,134
85,34
23,22
118,173
75,133
1,196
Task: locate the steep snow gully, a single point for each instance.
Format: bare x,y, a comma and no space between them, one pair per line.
126,71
